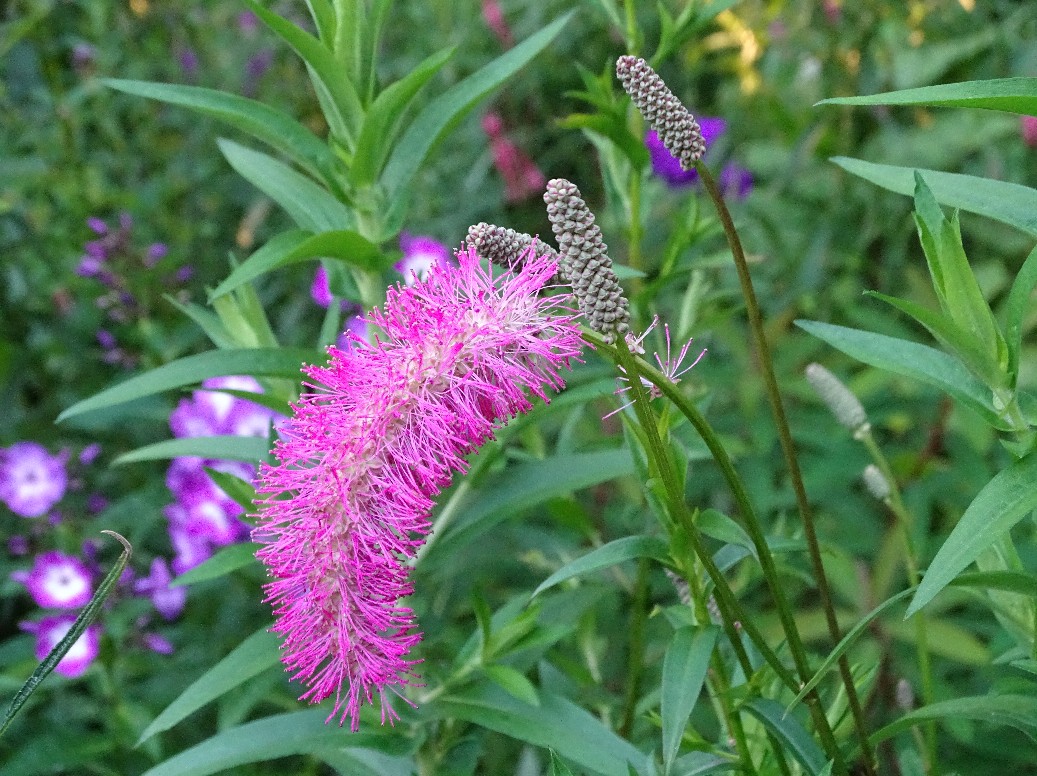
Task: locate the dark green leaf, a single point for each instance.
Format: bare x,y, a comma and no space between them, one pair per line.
911,360
310,205
789,732
1016,306
449,108
257,119
618,551
251,657
1014,95
1003,502
190,370
298,245
558,768
383,120
1018,711
556,723
1008,203
225,448
684,671
223,562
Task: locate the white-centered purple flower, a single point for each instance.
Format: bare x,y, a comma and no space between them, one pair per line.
57,581
31,479
168,601
420,254
50,630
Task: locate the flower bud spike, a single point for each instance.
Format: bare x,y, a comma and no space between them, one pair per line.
839,399
507,248
672,122
585,258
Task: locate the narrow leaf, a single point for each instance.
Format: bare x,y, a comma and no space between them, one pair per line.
298,245
270,738
1008,203
1002,503
383,120
513,682
618,551
259,362
911,359
1016,306
223,562
684,671
82,622
1013,95
446,110
1017,711
224,448
310,205
277,129
845,643
790,732
250,658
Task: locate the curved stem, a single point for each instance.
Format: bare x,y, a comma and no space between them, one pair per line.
789,451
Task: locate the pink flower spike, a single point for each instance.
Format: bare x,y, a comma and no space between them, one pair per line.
379,434
57,581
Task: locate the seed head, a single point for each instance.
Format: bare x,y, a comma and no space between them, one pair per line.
506,247
839,399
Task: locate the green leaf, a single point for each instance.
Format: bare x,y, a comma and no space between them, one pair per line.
250,658
957,340
1002,503
684,671
82,622
327,74
956,286
911,360
556,724
558,768
513,682
310,205
526,485
445,111
1020,582
1016,306
383,120
259,362
282,735
789,732
701,763
298,245
223,562
243,493
225,448
1008,203
717,525
845,643
207,321
1013,95
1017,711
618,551
257,119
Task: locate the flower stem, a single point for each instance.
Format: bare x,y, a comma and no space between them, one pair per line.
788,449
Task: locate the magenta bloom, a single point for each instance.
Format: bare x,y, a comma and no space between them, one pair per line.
31,480
50,630
57,581
382,431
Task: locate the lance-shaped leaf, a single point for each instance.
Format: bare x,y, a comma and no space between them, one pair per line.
1013,95
1002,503
1017,711
1016,306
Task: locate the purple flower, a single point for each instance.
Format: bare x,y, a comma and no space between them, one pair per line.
188,60
420,254
355,329
89,453
158,644
191,550
169,601
57,581
735,181
31,480
184,274
384,428
667,166
18,545
320,289
248,22
255,69
97,226
155,253
50,630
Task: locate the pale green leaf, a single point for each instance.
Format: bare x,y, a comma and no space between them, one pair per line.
618,551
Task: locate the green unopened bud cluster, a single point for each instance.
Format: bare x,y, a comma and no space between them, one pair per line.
676,127
586,260
839,399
